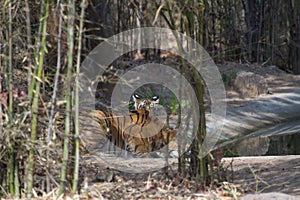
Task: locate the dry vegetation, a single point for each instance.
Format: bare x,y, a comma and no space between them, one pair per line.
43,43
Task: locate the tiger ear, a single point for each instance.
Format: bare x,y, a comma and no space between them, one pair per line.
136,98
155,99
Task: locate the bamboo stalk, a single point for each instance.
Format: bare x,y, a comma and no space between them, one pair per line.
56,79
33,134
58,66
29,43
36,52
63,175
76,136
11,166
1,78
16,177
202,131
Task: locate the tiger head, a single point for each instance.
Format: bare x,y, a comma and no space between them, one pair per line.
144,104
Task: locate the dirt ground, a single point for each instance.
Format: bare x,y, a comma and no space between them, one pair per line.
263,174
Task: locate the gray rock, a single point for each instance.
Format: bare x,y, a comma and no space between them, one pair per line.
250,84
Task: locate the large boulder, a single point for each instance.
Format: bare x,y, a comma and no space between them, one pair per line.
250,84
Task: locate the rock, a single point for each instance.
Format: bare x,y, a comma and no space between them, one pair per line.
268,196
253,146
250,84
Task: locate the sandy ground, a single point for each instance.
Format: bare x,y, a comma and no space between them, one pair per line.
266,173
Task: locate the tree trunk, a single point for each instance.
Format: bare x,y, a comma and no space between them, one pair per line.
294,51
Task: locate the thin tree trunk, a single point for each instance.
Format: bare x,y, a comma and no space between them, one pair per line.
70,30
11,162
295,36
33,135
259,34
76,136
199,92
29,43
38,46
57,74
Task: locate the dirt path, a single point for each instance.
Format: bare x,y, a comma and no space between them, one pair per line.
266,173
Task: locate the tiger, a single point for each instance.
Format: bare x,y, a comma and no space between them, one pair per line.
137,132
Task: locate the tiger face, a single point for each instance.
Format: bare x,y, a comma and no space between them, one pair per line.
144,104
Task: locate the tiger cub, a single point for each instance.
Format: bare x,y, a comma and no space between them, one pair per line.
137,132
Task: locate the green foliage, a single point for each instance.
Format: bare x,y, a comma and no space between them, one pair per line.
174,105
229,78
